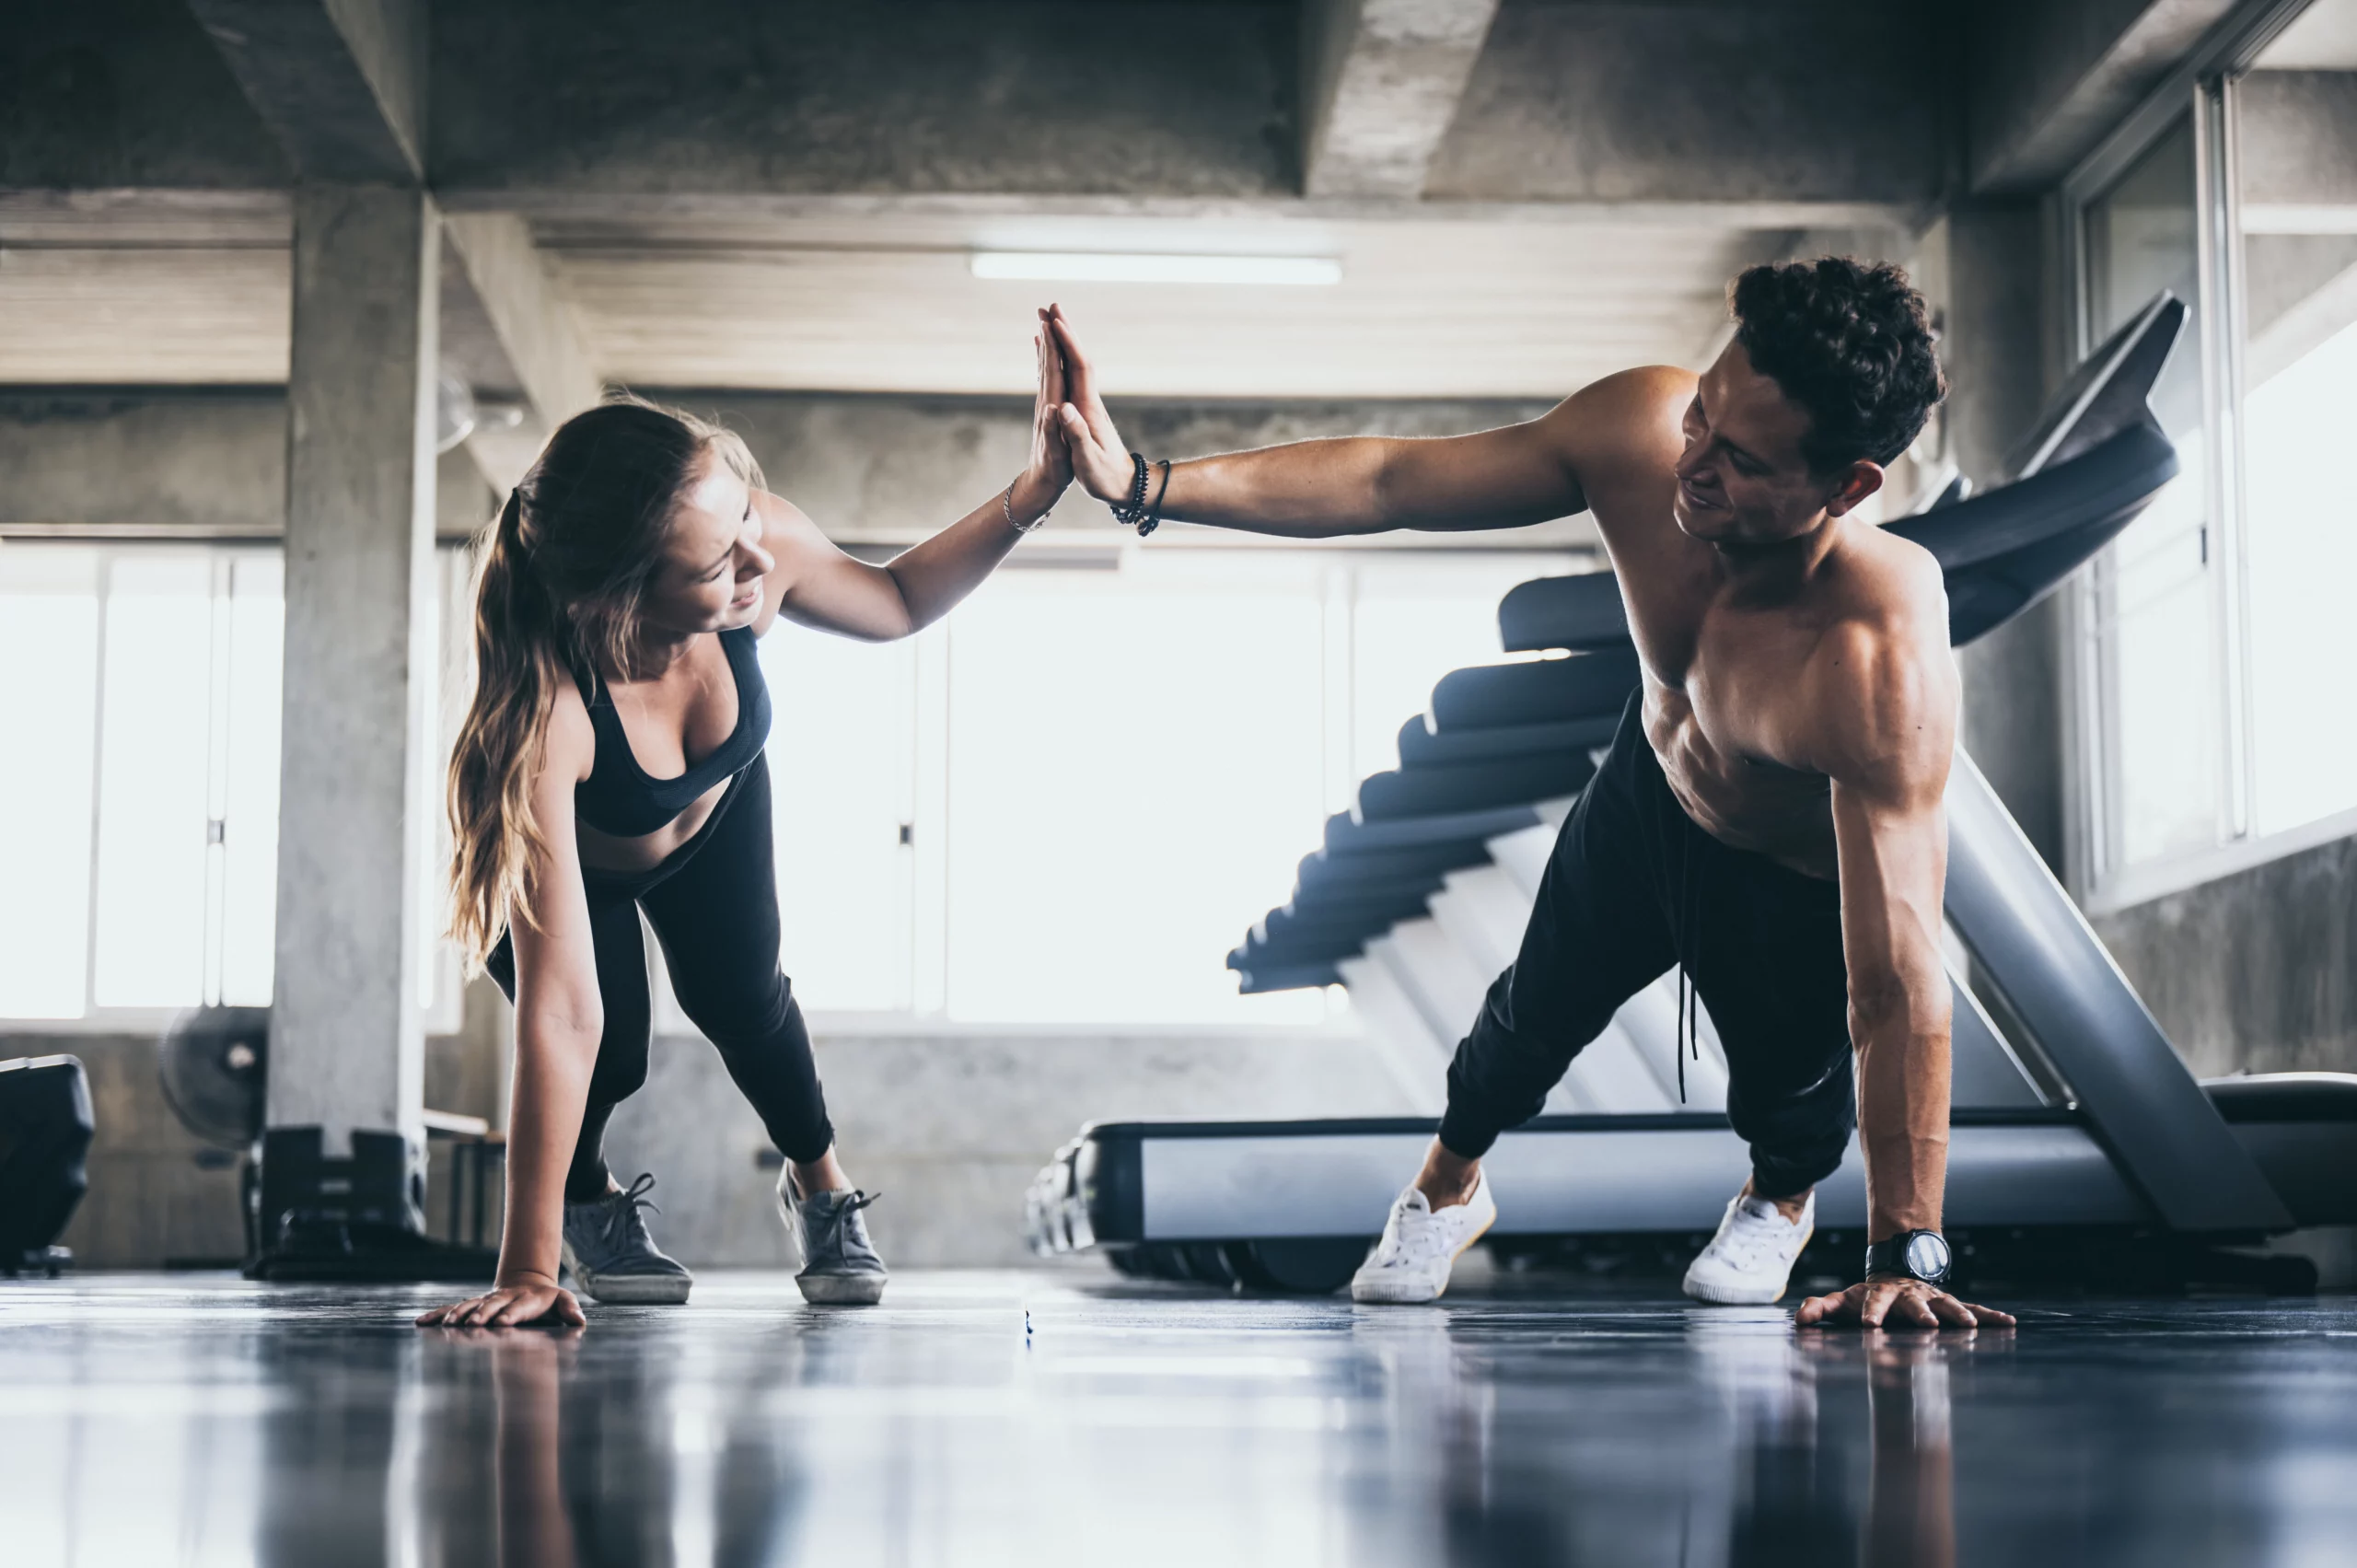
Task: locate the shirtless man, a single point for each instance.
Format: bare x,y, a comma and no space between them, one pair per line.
1768,813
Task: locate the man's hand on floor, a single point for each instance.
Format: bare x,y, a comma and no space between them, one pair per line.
1899,1304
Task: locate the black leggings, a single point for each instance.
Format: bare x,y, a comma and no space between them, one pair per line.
714,905
1632,888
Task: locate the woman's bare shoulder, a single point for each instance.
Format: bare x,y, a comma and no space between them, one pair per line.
572,739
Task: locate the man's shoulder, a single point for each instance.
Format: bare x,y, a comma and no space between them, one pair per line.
1888,591
1882,679
1623,429
1639,398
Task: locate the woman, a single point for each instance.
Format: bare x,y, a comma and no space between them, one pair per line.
612,763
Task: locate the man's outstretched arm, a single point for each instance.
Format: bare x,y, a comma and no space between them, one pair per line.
1505,478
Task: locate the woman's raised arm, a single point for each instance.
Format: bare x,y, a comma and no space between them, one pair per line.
815,584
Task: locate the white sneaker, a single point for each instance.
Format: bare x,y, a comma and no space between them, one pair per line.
1749,1262
1420,1246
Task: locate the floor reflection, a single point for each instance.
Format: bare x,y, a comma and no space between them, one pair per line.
157,1422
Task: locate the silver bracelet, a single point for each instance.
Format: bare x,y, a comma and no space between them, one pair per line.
1007,507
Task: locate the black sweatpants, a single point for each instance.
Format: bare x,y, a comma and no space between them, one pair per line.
714,905
1633,887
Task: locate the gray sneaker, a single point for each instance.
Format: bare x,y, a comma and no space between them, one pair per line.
614,1259
840,1267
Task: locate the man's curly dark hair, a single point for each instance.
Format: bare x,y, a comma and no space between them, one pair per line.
1850,344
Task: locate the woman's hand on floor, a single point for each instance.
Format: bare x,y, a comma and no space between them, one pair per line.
509,1306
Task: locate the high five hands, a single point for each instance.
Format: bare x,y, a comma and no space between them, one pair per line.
1098,459
1050,470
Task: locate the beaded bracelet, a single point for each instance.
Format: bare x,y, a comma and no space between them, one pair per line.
1133,513
1154,513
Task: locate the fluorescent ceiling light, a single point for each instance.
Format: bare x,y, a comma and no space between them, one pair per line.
1092,266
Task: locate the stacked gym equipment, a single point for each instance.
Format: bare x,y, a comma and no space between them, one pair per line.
308,1215
45,1131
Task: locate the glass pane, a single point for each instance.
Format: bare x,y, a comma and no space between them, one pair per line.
152,786
2155,636
250,804
49,622
2302,555
2300,405
841,765
1136,766
1414,622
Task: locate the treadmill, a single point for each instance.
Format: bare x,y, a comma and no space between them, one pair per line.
2076,1130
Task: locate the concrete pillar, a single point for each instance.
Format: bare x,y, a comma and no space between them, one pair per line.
1995,353
346,1047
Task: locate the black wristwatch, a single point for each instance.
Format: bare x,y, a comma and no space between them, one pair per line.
1912,1254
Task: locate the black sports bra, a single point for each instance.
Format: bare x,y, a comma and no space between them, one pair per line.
617,796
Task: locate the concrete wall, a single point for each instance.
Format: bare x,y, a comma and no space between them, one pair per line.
166,462
160,463
1982,270
882,469
2254,973
2295,129
890,469
952,1127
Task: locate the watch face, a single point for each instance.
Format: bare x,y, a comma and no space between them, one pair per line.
1927,1256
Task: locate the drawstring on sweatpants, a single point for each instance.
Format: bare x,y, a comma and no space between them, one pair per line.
1690,1001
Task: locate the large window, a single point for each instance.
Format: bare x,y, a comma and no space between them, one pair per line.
1065,804
1062,806
2296,120
141,721
2156,591
2211,629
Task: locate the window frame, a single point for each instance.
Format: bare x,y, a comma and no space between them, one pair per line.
2204,86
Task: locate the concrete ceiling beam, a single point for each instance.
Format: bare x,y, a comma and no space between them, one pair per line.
534,329
2050,78
533,324
339,82
706,214
1381,80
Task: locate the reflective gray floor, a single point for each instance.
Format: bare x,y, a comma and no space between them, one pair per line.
159,1420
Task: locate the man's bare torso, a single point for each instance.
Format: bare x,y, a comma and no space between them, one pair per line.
1732,660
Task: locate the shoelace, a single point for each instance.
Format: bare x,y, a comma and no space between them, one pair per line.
624,1216
839,1224
1753,1241
1406,1244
